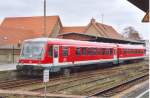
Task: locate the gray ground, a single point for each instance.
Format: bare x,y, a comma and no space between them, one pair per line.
138,92
4,67
145,95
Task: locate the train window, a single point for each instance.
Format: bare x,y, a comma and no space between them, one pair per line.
78,51
55,52
129,51
140,51
50,51
115,51
103,51
83,51
65,51
125,51
94,51
110,51
98,51
135,51
89,51
107,52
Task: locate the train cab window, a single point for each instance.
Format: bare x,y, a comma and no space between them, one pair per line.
83,51
50,51
103,51
78,52
64,51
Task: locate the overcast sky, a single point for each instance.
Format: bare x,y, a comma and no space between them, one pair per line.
117,13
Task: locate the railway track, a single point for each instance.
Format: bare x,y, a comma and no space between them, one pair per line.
111,90
103,76
93,87
120,88
17,83
77,83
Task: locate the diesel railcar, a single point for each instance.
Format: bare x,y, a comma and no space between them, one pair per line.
55,54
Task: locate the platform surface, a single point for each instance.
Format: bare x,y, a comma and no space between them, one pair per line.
4,67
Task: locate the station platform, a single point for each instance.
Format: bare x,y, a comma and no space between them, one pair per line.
5,67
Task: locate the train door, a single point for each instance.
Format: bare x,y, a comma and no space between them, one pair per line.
56,55
115,56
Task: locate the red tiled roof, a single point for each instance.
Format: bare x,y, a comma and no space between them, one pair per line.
34,23
109,31
14,36
77,29
104,30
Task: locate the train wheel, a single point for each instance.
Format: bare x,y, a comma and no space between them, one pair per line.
66,72
20,74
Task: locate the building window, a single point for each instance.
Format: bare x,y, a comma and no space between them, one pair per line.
64,51
78,51
83,51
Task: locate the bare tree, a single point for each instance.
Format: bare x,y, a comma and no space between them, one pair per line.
131,33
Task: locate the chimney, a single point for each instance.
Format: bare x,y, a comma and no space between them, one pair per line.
93,20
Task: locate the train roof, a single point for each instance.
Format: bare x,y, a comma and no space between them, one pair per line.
72,42
129,46
69,42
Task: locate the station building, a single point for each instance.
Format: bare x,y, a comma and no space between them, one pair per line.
14,30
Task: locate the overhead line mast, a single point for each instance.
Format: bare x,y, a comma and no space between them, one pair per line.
44,33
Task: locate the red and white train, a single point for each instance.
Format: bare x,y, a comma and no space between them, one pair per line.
40,53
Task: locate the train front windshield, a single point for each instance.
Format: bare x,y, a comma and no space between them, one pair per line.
33,50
